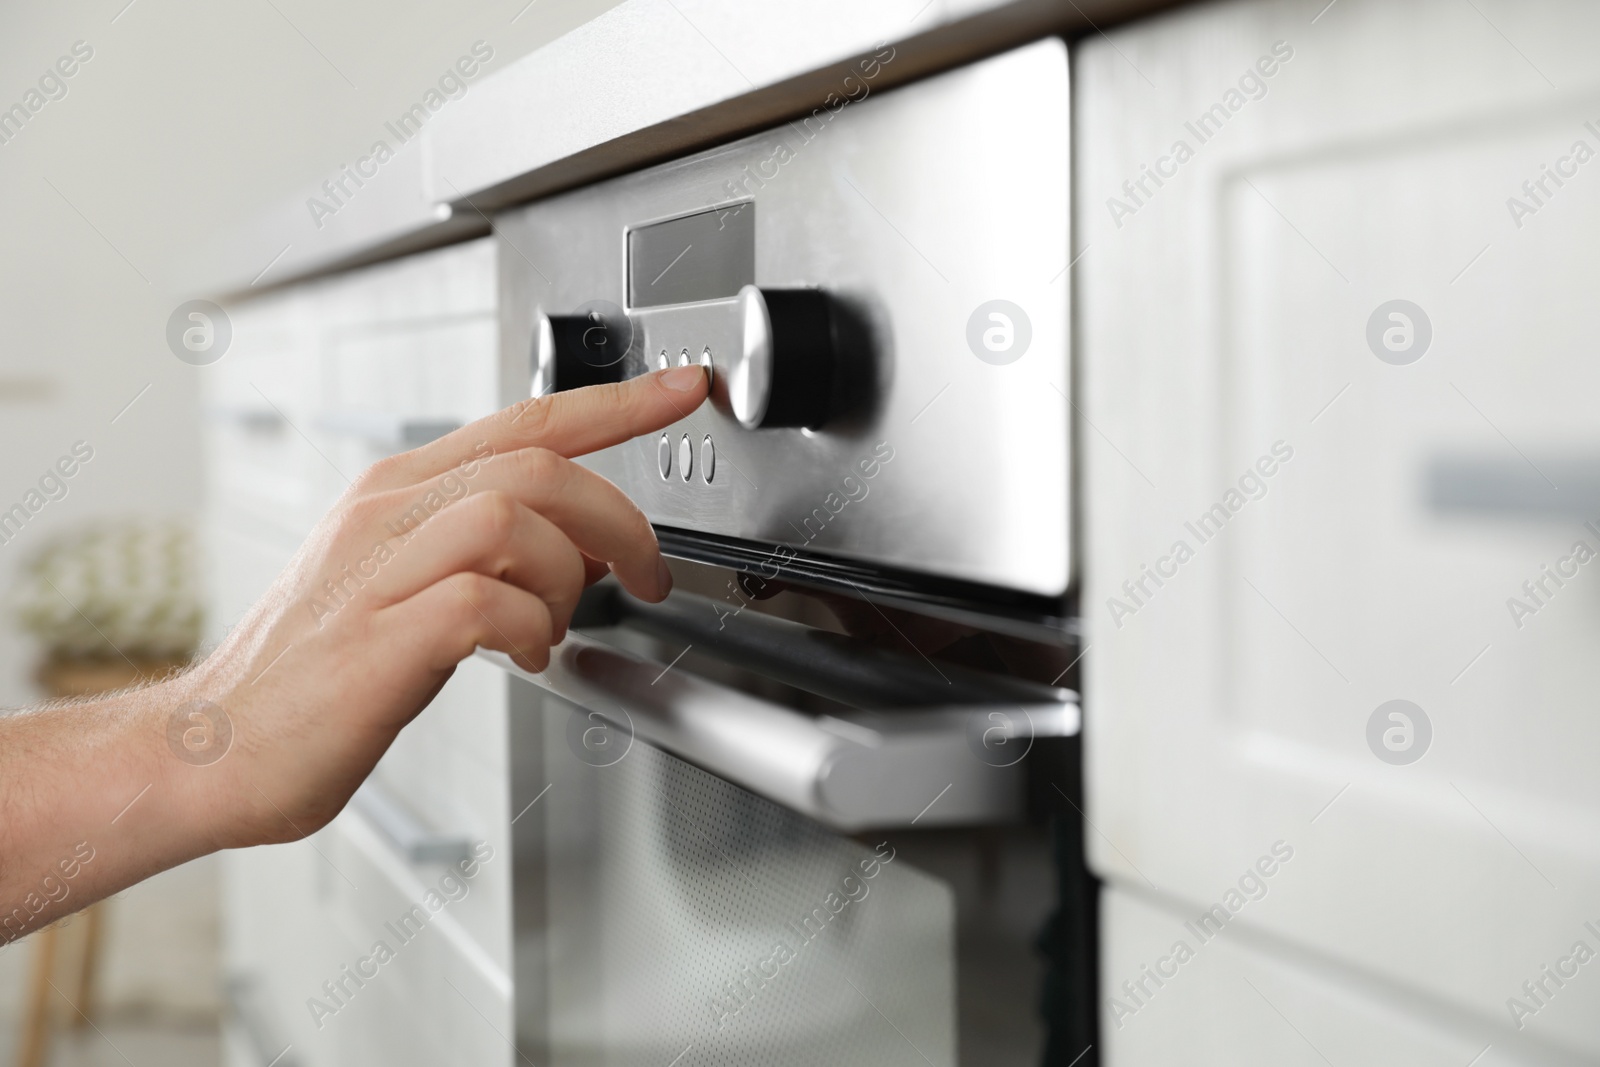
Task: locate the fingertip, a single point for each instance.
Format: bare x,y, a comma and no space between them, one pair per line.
651,586
687,380
532,662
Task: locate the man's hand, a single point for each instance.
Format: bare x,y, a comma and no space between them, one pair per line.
481,539
484,538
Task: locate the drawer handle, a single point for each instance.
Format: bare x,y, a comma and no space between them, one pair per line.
398,433
249,419
1514,488
404,831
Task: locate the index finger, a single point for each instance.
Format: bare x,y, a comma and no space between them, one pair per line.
570,424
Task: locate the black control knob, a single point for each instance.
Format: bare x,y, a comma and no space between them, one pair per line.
586,348
782,372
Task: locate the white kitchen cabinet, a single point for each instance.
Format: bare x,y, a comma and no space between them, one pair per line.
407,350
324,379
259,470
1441,860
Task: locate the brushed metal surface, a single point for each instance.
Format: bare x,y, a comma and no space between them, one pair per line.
914,209
853,771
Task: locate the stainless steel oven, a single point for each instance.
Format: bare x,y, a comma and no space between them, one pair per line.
821,806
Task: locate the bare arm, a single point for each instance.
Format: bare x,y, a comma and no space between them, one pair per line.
484,538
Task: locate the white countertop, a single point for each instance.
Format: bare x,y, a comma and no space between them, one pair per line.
646,81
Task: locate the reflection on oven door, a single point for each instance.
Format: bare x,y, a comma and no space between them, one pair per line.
686,921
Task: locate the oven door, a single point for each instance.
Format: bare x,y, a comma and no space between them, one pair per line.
713,867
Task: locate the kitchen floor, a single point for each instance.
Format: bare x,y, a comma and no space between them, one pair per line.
158,988
125,1044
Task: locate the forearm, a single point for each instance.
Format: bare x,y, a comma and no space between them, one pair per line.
92,799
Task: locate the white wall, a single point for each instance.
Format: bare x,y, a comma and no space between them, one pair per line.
188,117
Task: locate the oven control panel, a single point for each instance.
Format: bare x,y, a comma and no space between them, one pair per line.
879,293
692,298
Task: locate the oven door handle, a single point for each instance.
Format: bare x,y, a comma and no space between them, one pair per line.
927,766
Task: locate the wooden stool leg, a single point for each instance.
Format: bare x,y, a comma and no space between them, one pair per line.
93,921
36,1024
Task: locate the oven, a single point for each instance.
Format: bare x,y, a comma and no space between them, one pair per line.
823,804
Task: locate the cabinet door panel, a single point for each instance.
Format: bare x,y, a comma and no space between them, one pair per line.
430,992
450,768
256,397
319,375
1359,497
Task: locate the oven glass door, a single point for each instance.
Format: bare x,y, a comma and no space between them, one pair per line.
690,922
679,902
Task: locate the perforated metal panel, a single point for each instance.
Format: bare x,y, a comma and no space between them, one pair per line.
691,923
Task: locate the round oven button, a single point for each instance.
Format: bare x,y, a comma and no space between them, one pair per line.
705,361
662,363
683,358
708,459
685,458
781,373
664,455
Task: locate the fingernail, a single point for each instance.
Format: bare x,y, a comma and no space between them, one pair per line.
683,379
663,576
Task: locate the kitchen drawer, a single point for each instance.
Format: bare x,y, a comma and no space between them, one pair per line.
1242,1000
304,922
449,768
1356,379
242,560
323,380
407,351
280,945
456,280
326,378
434,368
394,386
439,997
296,914
257,401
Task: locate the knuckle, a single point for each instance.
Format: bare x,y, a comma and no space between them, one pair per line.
541,624
495,515
368,510
354,520
534,636
476,593
615,396
530,418
541,466
638,535
375,477
573,572
565,587
641,522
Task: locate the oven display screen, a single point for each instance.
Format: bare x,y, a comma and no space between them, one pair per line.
708,256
